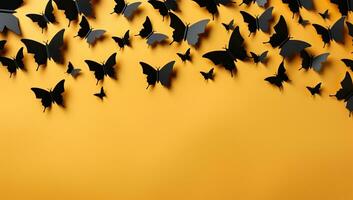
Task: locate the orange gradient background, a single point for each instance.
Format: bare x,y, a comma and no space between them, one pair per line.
231,138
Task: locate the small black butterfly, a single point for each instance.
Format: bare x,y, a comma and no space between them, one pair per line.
303,21
282,40
279,78
126,9
296,5
162,75
208,75
43,52
124,41
104,69
346,92
335,33
315,90
211,5
258,23
348,63
7,18
148,33
13,64
101,94
50,97
186,56
230,26
315,62
74,72
74,8
259,58
325,15
44,19
86,32
164,6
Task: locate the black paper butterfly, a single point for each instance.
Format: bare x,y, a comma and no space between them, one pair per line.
86,32
282,40
227,57
315,90
50,97
189,33
335,33
43,52
303,21
346,92
164,6
259,58
208,75
258,23
261,3
230,26
295,5
344,6
348,63
105,69
126,9
325,15
148,33
211,5
162,75
124,41
315,62
7,19
74,72
44,19
186,56
13,64
101,94
279,78
73,8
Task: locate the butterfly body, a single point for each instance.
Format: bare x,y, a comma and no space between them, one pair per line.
162,75
52,96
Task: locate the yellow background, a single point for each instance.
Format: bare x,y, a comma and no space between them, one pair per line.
233,138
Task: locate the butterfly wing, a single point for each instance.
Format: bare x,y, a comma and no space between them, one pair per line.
281,73
221,58
274,80
250,20
49,12
265,19
236,45
346,90
302,21
263,57
255,57
109,66
38,49
84,28
323,32
119,7
96,68
85,7
160,6
306,59
44,96
292,47
171,5
2,44
247,2
281,33
19,59
337,30
350,28
150,72
318,60
39,19
342,6
165,73
307,4
147,28
69,8
130,9
178,26
348,63
120,41
9,21
195,30
126,38
57,93
293,5
156,38
54,47
9,63
261,3
95,35
210,5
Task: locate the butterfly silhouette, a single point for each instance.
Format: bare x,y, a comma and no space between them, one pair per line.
258,23
186,56
162,75
296,5
346,92
104,69
336,33
74,8
44,19
86,32
261,3
230,26
148,33
344,6
51,96
13,64
315,90
208,75
74,72
126,9
124,41
315,62
279,78
325,15
259,58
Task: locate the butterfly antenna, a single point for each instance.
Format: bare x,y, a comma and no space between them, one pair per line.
147,86
44,109
112,12
324,45
171,42
249,34
97,82
69,23
37,67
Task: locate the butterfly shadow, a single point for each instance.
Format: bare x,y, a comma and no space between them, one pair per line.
203,36
162,43
136,14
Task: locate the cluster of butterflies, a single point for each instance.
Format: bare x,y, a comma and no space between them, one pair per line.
190,33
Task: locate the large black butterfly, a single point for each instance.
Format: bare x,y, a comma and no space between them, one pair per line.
7,19
124,41
261,3
43,52
148,33
189,33
13,64
235,51
279,78
295,5
2,44
86,32
164,6
162,75
104,69
344,6
208,75
315,90
211,5
44,19
335,33
346,92
315,62
258,23
126,9
282,40
73,8
50,97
